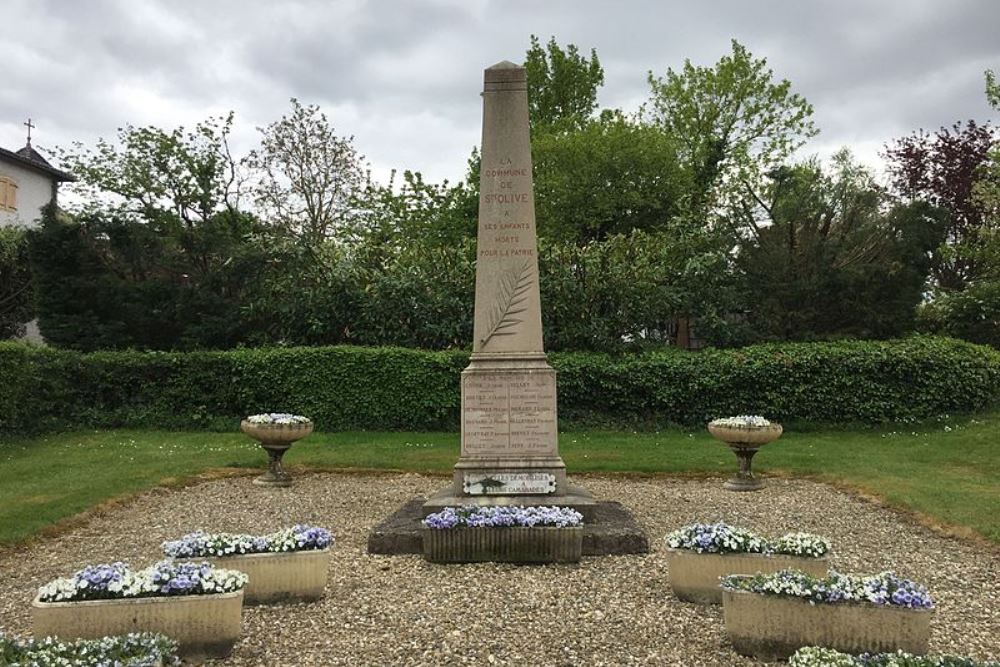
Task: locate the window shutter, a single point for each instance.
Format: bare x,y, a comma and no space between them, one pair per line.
8,194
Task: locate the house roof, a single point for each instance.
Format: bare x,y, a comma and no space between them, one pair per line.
32,159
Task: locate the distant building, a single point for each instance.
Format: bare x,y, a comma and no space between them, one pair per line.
27,183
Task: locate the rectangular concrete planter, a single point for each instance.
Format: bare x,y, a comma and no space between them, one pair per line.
295,575
503,545
202,625
694,577
772,627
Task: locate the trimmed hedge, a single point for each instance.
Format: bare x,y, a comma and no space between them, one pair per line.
393,388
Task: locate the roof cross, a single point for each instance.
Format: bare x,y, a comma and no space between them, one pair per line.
29,125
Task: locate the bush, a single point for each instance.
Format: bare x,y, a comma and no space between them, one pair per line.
16,307
972,314
344,388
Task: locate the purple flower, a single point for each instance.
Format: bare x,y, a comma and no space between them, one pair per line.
204,545
885,589
473,516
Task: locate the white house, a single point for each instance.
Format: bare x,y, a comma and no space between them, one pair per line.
27,183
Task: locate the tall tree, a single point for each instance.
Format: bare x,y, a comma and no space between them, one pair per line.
833,261
562,84
609,176
735,123
16,302
943,169
150,173
986,189
992,89
307,177
973,313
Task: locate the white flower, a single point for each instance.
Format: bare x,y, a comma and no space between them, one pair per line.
741,421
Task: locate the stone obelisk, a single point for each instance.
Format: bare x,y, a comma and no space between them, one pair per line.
510,448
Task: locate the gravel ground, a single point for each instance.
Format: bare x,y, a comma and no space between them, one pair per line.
399,610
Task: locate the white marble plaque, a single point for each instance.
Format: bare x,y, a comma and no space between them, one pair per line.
509,483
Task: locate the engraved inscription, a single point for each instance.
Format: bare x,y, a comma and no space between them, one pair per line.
509,414
509,483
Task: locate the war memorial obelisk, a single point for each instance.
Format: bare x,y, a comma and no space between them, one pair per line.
510,447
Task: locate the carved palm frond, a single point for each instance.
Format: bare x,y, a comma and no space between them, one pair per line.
512,296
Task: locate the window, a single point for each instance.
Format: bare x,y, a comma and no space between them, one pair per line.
8,194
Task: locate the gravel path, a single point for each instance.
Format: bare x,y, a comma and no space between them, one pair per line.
399,610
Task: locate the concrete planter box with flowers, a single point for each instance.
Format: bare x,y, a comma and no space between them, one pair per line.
290,564
139,649
814,656
204,624
275,577
773,626
694,577
699,555
503,534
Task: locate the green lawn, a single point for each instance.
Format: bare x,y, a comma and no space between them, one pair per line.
948,471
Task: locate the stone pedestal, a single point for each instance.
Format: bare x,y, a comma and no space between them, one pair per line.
510,439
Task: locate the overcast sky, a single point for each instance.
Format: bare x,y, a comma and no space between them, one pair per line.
403,77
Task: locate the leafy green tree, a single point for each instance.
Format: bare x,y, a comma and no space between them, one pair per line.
610,176
414,212
112,282
307,296
562,84
306,177
424,298
833,262
972,314
594,176
986,189
16,298
734,124
992,89
626,290
150,173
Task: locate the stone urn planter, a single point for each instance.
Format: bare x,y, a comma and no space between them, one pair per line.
694,577
745,435
276,432
504,534
277,577
202,625
772,627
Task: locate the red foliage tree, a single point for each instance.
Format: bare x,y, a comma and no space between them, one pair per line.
941,169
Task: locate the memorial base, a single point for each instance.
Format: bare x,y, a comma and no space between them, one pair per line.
575,497
612,530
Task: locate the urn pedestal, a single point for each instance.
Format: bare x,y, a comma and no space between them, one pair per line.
275,439
745,441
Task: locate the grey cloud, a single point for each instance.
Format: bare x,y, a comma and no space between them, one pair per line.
404,76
